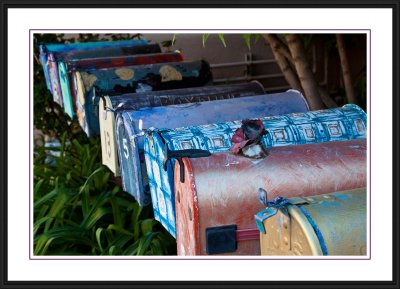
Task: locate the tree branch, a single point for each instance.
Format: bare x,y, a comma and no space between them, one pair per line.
304,72
284,65
278,45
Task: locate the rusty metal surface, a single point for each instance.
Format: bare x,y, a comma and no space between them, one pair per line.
222,189
330,224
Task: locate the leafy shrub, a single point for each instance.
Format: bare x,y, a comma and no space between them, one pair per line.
79,208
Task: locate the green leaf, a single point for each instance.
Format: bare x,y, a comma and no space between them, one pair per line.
173,39
99,232
37,187
95,214
256,38
132,249
119,229
55,209
38,223
247,39
222,38
144,243
61,236
147,225
116,212
156,247
204,38
45,198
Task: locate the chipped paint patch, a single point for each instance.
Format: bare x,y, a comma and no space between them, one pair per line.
169,73
88,80
125,73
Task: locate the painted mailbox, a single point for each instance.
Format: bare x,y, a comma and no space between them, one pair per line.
324,225
66,68
108,106
348,122
217,200
46,49
58,69
113,81
55,59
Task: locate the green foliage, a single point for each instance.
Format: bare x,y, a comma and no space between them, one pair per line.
248,37
204,38
222,38
80,210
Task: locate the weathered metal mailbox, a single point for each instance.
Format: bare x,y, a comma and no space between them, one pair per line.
58,68
329,224
108,106
56,61
67,66
113,81
217,199
348,122
130,123
47,49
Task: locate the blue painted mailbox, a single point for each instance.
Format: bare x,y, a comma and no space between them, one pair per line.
120,80
108,106
348,122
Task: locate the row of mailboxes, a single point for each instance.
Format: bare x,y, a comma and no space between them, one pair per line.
172,136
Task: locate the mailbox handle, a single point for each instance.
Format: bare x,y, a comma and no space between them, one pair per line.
179,154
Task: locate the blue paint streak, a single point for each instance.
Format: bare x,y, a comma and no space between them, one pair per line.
316,230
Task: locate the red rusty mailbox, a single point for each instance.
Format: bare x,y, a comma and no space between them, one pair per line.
217,200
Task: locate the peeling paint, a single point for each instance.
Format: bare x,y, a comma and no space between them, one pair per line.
169,73
88,80
125,73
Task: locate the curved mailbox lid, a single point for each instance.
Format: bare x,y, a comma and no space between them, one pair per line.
66,68
222,189
329,224
117,51
111,81
173,116
134,101
348,122
129,60
46,49
65,47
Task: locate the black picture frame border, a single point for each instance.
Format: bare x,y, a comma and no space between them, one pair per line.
4,158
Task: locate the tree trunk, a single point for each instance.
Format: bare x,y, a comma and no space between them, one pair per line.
283,63
344,63
326,99
304,72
